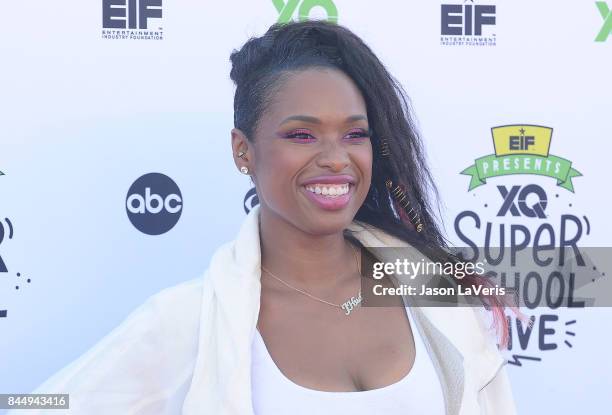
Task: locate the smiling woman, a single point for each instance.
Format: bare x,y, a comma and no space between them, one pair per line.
275,326
326,135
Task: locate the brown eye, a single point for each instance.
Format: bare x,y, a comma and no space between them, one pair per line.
299,135
358,134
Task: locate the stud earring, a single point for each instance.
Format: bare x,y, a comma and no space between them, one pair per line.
241,154
244,170
400,197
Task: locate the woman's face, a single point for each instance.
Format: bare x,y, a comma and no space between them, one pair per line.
311,157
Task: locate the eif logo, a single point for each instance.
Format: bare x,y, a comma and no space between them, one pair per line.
522,149
606,15
287,8
129,14
466,19
154,203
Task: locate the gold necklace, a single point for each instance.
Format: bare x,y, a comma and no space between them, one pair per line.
348,306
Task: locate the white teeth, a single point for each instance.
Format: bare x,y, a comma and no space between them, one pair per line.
330,190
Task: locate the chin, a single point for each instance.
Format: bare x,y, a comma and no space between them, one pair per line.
328,223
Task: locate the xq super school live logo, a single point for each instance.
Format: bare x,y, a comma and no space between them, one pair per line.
3,312
16,280
132,19
302,9
513,217
606,15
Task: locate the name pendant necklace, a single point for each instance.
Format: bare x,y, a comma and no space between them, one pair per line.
348,306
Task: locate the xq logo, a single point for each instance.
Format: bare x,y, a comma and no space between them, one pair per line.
132,14
606,29
286,9
459,19
154,203
532,209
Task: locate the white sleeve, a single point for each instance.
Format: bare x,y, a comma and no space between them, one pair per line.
143,366
496,397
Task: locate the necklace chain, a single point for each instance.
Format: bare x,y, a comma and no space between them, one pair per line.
312,296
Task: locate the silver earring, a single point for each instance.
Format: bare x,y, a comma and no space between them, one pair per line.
244,170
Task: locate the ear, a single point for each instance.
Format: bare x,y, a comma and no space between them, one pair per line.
240,146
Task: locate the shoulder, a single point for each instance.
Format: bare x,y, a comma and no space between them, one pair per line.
177,299
173,315
147,359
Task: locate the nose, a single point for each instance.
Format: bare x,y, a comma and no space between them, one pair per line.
333,157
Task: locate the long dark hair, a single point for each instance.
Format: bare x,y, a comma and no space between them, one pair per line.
398,152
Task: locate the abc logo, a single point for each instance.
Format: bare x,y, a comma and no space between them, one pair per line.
154,203
250,200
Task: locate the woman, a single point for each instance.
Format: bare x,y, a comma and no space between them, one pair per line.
275,325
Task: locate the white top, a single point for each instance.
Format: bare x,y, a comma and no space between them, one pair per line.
200,335
419,392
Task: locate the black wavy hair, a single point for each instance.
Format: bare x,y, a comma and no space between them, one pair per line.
259,68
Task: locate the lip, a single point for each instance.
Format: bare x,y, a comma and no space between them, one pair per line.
331,179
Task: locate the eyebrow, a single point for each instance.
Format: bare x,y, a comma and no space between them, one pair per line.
315,120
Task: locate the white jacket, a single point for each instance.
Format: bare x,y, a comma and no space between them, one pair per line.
187,349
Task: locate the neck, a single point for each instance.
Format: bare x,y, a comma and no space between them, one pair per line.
306,260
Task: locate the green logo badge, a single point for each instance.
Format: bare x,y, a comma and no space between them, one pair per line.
522,149
286,9
606,29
